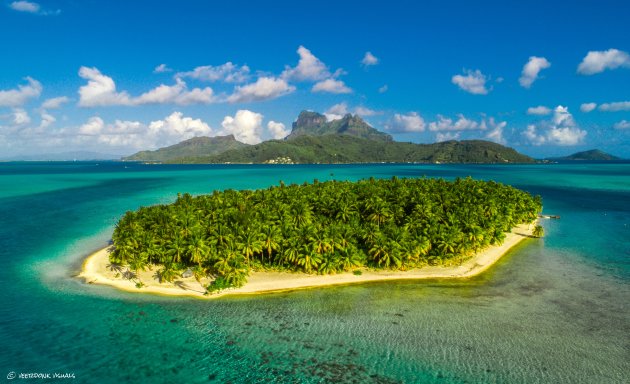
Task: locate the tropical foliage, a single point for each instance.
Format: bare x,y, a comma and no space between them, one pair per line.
321,227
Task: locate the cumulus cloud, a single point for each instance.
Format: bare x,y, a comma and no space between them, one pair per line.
623,124
448,124
366,112
19,96
55,102
228,72
176,127
410,122
31,7
369,59
25,6
587,107
133,135
495,130
446,136
331,86
265,88
246,126
277,130
337,111
561,129
599,61
101,91
309,68
47,120
540,110
383,89
473,82
531,70
162,68
20,117
615,107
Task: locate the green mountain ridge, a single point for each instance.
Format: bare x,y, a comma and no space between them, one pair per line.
197,146
593,154
348,149
314,139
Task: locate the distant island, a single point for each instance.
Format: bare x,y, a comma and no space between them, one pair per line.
395,227
591,155
314,139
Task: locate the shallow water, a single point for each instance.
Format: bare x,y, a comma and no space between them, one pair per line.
551,311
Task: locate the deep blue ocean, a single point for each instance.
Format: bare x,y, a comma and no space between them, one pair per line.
554,310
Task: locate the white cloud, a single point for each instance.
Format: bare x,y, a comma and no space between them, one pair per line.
134,135
587,107
176,127
331,86
410,122
20,117
383,89
177,94
446,136
474,82
92,127
615,107
560,130
540,110
47,120
369,59
227,72
18,97
162,68
25,6
277,130
495,130
337,111
623,124
31,7
447,124
366,112
246,126
309,68
55,102
599,61
101,91
531,70
264,88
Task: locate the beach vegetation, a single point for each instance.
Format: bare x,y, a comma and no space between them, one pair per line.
320,228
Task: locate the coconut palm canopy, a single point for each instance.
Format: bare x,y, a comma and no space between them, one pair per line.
322,227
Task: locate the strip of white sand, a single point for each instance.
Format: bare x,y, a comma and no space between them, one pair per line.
96,271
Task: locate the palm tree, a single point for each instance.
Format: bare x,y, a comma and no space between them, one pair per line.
539,231
198,249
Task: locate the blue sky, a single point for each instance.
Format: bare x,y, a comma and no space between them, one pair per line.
546,77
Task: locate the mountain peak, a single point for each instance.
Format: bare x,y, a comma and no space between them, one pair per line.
315,124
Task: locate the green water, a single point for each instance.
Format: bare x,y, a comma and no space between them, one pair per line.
552,311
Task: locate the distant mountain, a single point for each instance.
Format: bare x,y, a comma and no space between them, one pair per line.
313,139
314,124
65,156
342,148
191,148
592,155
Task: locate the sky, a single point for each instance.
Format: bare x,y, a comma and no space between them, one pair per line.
548,78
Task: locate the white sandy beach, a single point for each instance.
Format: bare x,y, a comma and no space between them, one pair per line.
95,271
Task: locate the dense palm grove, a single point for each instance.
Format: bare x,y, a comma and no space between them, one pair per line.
320,228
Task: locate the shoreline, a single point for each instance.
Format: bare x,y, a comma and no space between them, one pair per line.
94,271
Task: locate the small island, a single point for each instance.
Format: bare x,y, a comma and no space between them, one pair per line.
323,233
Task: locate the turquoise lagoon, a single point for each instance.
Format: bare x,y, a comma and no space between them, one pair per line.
554,310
